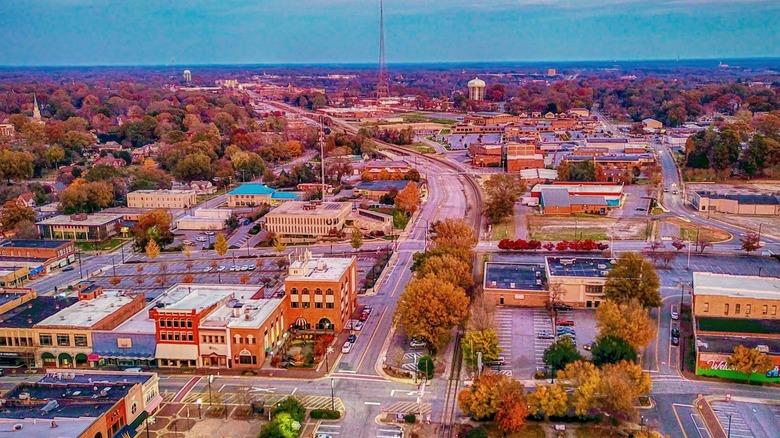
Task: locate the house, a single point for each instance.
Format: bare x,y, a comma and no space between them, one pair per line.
26,199
109,160
203,187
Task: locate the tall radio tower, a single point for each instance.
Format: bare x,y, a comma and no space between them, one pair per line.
382,87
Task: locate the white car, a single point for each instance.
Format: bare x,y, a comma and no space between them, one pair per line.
358,326
347,347
207,269
209,233
221,268
243,268
233,268
200,239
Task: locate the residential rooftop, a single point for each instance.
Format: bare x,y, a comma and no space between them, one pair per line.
87,313
91,220
738,286
578,267
523,276
33,243
34,311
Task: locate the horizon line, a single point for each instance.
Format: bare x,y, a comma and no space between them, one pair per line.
409,63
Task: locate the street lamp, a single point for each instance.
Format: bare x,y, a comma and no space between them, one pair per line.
199,402
149,420
332,398
328,351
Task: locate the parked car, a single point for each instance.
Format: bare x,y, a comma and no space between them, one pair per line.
588,346
221,268
564,322
251,267
368,309
417,343
675,332
675,313
67,268
500,362
352,338
186,242
200,239
209,233
358,326
243,268
561,306
207,269
562,330
347,347
675,340
545,335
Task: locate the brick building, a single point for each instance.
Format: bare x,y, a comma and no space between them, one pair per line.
50,254
322,292
81,227
298,221
736,203
165,199
516,284
577,281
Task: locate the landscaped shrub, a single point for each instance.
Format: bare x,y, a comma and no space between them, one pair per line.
410,418
325,414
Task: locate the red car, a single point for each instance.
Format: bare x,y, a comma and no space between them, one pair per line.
363,317
564,322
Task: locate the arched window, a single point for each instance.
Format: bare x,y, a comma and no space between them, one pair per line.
294,291
237,339
318,291
305,291
329,291
250,339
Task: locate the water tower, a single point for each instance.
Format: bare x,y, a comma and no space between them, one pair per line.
476,89
187,76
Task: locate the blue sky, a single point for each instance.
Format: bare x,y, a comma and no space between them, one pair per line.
133,32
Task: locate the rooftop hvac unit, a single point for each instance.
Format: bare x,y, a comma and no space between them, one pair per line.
762,348
603,272
567,261
538,282
538,274
493,283
511,285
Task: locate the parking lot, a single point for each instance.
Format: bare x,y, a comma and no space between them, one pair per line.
635,204
748,419
520,336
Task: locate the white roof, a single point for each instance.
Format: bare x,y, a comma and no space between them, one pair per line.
323,268
476,82
187,297
87,313
745,286
234,313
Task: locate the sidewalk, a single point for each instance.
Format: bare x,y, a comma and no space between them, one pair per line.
710,419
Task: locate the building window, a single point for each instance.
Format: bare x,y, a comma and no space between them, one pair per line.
237,339
318,305
774,310
329,291
163,336
594,289
306,304
737,308
294,305
63,340
80,340
189,323
45,340
764,309
245,360
305,291
329,305
706,307
318,291
176,336
726,312
250,339
168,323
189,337
176,323
162,323
747,309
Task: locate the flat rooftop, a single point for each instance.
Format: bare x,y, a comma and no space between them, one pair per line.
75,400
234,313
738,325
523,276
738,286
92,377
140,323
187,297
8,270
727,344
578,266
32,428
33,311
383,185
87,313
33,243
743,199
91,220
163,192
323,268
301,208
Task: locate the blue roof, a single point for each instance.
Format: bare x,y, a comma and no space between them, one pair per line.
252,189
284,195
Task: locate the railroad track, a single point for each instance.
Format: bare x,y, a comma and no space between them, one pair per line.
447,429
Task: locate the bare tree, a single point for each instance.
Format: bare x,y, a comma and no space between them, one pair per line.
482,312
396,356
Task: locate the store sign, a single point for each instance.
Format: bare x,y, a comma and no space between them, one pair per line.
124,343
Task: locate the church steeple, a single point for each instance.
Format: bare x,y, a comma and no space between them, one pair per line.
36,110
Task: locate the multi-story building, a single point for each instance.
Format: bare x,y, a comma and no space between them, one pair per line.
523,155
736,203
298,221
165,199
733,310
20,310
81,227
253,194
516,284
50,254
322,292
577,281
374,190
65,338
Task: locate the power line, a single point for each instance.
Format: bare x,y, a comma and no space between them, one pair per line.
382,86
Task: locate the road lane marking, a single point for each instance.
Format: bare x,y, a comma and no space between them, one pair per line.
679,423
371,339
294,391
372,403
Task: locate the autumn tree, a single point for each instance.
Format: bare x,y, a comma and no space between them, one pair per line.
548,400
220,244
502,190
153,225
26,230
86,197
583,378
408,199
453,234
13,214
15,164
632,277
612,349
485,397
512,409
188,278
561,353
629,321
750,242
448,268
749,361
356,239
429,309
619,386
475,342
152,249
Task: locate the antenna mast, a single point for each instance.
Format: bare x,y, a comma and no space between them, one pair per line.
382,87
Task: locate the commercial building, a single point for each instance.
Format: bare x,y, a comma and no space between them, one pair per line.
298,221
165,199
563,198
205,219
69,404
733,310
516,284
577,281
81,227
374,190
369,220
48,254
65,338
322,292
20,310
253,194
13,276
523,155
391,168
736,204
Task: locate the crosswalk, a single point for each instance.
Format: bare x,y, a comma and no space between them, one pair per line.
409,407
505,330
270,399
388,431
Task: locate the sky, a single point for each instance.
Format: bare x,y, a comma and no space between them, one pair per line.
192,32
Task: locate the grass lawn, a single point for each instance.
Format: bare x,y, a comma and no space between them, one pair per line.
557,228
656,210
688,231
530,430
204,198
421,148
104,246
503,230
